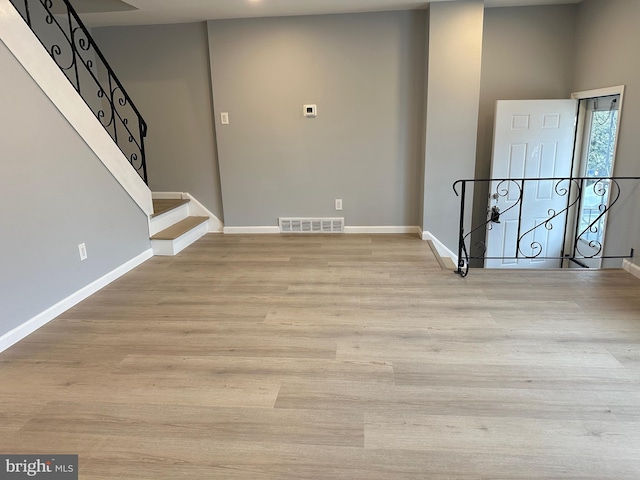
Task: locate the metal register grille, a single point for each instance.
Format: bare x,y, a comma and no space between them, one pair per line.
311,225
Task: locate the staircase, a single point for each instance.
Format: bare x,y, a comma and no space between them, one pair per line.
172,228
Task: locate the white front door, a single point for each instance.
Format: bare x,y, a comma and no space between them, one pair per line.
532,139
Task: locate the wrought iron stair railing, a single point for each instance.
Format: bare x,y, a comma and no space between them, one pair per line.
68,41
581,225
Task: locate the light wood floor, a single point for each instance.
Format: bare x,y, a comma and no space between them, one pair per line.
334,357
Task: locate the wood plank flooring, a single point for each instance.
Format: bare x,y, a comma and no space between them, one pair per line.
334,357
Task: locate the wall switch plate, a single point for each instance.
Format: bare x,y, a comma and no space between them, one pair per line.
338,204
224,118
82,249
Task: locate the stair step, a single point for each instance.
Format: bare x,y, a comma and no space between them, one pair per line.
180,228
164,205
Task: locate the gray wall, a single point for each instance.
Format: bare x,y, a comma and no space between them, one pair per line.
455,53
358,68
54,194
527,53
607,45
165,69
364,72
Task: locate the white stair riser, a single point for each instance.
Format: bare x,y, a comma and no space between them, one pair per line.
167,195
159,223
172,247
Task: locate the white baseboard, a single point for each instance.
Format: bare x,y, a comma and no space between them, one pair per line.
443,250
166,195
14,336
250,230
350,230
380,229
631,267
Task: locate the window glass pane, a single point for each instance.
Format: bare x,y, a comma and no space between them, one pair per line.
599,164
601,143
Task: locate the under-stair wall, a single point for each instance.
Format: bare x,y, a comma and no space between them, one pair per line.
56,192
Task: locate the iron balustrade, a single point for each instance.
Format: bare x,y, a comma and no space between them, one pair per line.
67,40
583,226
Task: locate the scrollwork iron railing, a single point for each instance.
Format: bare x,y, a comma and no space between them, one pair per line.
67,40
576,206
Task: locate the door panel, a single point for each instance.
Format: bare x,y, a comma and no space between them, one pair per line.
532,139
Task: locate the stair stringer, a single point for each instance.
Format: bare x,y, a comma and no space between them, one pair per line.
27,49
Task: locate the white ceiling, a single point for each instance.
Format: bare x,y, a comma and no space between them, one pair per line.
182,11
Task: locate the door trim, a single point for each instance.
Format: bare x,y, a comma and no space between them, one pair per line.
579,141
595,93
600,92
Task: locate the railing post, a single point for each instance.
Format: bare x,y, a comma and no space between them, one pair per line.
26,11
113,111
566,222
520,220
576,235
143,133
74,52
461,237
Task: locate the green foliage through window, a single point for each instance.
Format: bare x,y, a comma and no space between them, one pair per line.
601,143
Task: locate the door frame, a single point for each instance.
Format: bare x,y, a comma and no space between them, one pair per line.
582,96
587,95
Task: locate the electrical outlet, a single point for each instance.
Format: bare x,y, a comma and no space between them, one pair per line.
338,204
82,249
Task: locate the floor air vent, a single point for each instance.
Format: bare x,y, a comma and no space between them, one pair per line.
311,225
